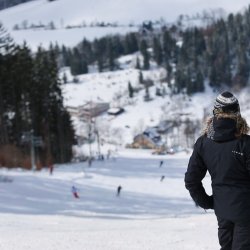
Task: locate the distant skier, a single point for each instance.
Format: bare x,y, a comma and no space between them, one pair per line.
101,157
75,192
119,188
89,162
161,163
162,177
108,154
51,168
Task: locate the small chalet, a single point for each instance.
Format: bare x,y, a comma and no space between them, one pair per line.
116,111
149,139
92,109
166,126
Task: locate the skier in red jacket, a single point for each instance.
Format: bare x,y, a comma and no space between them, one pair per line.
75,192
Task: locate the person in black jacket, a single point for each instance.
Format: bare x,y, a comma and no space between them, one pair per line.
224,151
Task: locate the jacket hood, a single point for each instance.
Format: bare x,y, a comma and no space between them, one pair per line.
222,129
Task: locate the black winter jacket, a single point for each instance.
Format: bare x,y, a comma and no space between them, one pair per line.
227,160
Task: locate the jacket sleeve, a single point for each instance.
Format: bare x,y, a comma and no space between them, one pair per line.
246,150
196,171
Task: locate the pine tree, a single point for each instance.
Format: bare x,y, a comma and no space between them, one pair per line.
141,80
66,56
99,49
111,61
147,95
145,54
138,66
86,51
168,46
130,90
199,82
180,81
78,65
47,108
65,79
157,51
118,47
4,139
130,43
242,75
6,42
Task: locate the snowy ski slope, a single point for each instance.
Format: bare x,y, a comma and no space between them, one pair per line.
39,212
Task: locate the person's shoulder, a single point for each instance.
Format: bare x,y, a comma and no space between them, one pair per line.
246,138
200,139
245,144
199,143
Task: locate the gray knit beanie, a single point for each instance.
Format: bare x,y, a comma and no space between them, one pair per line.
226,102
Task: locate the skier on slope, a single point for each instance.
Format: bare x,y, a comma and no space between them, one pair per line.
118,191
75,192
224,151
161,163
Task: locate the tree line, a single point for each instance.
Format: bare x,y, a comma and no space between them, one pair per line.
31,103
9,3
217,53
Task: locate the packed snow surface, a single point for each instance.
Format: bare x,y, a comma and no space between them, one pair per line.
38,210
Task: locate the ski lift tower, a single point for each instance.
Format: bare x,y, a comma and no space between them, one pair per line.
34,141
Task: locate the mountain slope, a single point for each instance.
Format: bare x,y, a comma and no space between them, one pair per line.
64,13
7,4
111,10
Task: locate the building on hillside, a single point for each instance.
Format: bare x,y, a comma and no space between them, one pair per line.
149,139
92,109
166,126
116,111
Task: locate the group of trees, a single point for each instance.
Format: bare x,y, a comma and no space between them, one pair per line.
218,53
30,91
8,3
4,4
101,51
31,102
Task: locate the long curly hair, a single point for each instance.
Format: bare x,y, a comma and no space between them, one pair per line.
242,127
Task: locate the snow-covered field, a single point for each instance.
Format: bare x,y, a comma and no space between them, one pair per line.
64,13
67,37
38,211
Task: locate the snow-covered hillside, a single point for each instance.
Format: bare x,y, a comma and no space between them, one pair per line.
60,14
39,211
64,12
112,88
